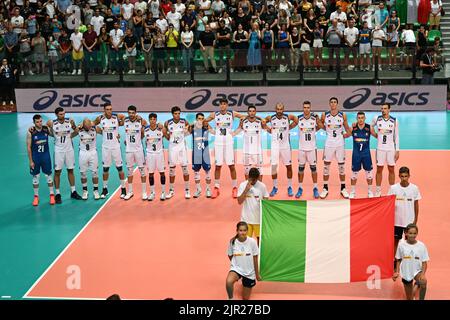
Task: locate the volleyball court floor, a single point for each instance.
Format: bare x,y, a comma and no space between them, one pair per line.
177,248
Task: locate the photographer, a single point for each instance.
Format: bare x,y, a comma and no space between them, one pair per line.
7,82
428,66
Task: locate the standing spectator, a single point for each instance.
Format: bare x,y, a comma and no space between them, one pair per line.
32,25
77,51
324,20
174,18
7,82
39,52
351,34
25,53
295,48
103,40
409,41
268,45
243,18
187,42
435,14
381,16
254,48
217,8
160,52
56,27
65,53
53,46
341,18
369,17
140,5
130,43
334,38
207,42
115,7
97,21
127,11
202,21
394,20
422,41
428,66
166,5
90,43
180,7
147,50
392,44
240,40
116,40
305,48
283,18
283,48
205,6
172,39
189,20
88,13
46,27
17,22
110,20
223,43
286,6
304,7
154,7
138,25
296,21
318,46
378,36
162,23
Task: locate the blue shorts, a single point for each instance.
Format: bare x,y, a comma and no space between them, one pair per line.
204,165
44,163
361,159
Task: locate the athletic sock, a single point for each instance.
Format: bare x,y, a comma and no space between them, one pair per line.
36,191
57,191
144,187
290,183
315,185
217,183
234,183
353,189
275,183
130,187
72,188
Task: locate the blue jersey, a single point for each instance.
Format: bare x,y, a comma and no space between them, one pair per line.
361,139
200,149
39,143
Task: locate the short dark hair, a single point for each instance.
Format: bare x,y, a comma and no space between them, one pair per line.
403,170
254,173
360,113
251,107
306,102
58,110
132,108
223,100
175,109
107,105
199,114
411,226
333,98
386,104
153,115
36,117
114,297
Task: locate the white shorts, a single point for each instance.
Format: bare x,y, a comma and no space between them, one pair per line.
109,154
317,43
88,160
254,160
284,154
178,156
364,48
64,158
334,152
385,157
155,161
305,47
307,156
136,157
224,154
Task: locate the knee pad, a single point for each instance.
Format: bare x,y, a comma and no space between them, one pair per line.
151,179
369,175
301,168
83,175
326,170
172,172
105,169
163,179
341,168
313,168
129,171
185,170
197,175
36,179
49,179
120,169
142,171
354,175
94,174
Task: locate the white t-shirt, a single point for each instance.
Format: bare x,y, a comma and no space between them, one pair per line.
50,8
116,36
378,34
16,23
252,203
180,8
140,6
174,18
154,7
76,39
242,260
408,36
162,25
127,11
412,256
98,23
404,203
342,17
187,37
435,7
351,34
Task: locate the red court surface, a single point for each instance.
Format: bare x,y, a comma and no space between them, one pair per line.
177,248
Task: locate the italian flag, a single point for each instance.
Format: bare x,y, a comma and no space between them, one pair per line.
333,241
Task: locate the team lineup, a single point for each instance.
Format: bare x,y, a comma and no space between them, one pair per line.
140,132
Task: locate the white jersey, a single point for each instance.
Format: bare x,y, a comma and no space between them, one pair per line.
334,126
307,128
412,256
252,136
177,133
110,129
62,132
133,141
154,140
224,127
388,138
280,132
405,197
88,139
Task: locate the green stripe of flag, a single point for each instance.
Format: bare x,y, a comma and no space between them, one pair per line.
286,221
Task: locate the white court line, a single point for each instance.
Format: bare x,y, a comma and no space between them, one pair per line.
71,242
